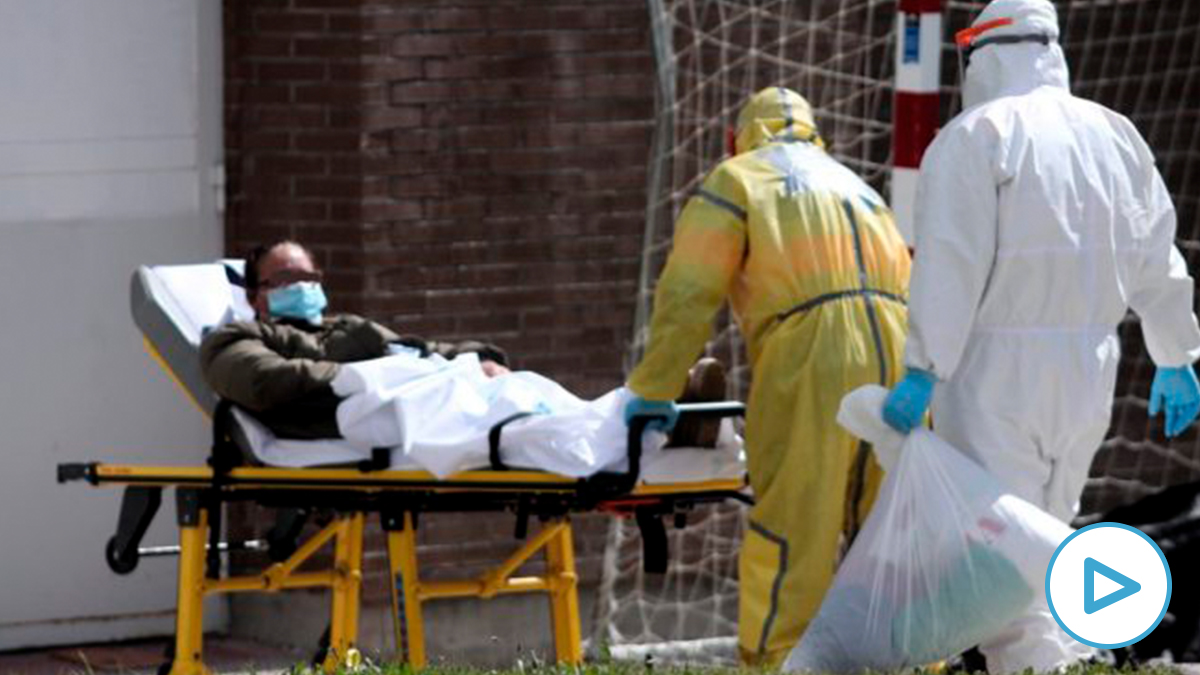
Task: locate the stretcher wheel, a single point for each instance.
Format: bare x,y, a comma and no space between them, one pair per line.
121,564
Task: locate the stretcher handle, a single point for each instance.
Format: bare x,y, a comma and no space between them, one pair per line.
713,409
72,471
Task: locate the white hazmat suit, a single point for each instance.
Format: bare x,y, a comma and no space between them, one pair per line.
1040,220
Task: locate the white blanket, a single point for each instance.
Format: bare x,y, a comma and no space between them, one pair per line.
437,414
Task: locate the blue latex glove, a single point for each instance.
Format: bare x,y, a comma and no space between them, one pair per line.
666,412
1176,391
906,404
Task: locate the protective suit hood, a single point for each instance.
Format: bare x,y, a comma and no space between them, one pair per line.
998,70
775,114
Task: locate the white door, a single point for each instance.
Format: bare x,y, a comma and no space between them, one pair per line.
110,132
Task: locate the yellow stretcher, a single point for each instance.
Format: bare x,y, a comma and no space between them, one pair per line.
398,496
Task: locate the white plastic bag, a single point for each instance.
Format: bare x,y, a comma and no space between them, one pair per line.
945,560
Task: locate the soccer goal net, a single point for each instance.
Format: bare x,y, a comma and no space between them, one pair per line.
1139,57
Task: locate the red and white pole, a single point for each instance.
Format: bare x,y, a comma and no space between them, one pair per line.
915,109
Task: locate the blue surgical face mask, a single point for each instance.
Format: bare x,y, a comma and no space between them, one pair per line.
301,300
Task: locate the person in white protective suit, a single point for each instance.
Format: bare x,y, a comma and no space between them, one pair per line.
1040,220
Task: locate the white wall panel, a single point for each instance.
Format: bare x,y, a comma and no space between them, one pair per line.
109,130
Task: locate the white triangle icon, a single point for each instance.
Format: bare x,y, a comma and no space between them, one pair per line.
1104,586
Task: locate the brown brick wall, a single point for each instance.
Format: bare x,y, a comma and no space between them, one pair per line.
293,114
506,171
462,168
469,168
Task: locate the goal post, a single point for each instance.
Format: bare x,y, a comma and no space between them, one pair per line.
918,69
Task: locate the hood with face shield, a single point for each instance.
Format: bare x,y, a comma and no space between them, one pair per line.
775,114
1011,48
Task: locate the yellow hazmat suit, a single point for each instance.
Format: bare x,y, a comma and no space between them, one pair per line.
817,276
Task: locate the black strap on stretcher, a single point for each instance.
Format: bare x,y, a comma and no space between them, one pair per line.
494,440
225,457
655,554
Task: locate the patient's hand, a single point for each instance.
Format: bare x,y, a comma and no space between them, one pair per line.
493,369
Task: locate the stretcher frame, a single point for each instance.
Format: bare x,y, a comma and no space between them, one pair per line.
399,497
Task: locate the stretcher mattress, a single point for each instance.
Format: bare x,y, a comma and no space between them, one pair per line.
174,306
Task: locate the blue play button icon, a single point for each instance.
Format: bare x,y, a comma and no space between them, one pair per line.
1092,567
1077,606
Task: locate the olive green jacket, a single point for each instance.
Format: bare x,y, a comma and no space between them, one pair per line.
281,370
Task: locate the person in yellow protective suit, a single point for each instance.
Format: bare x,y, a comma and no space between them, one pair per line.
817,276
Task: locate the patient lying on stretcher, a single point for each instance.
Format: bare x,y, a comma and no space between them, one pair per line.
307,375
281,366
